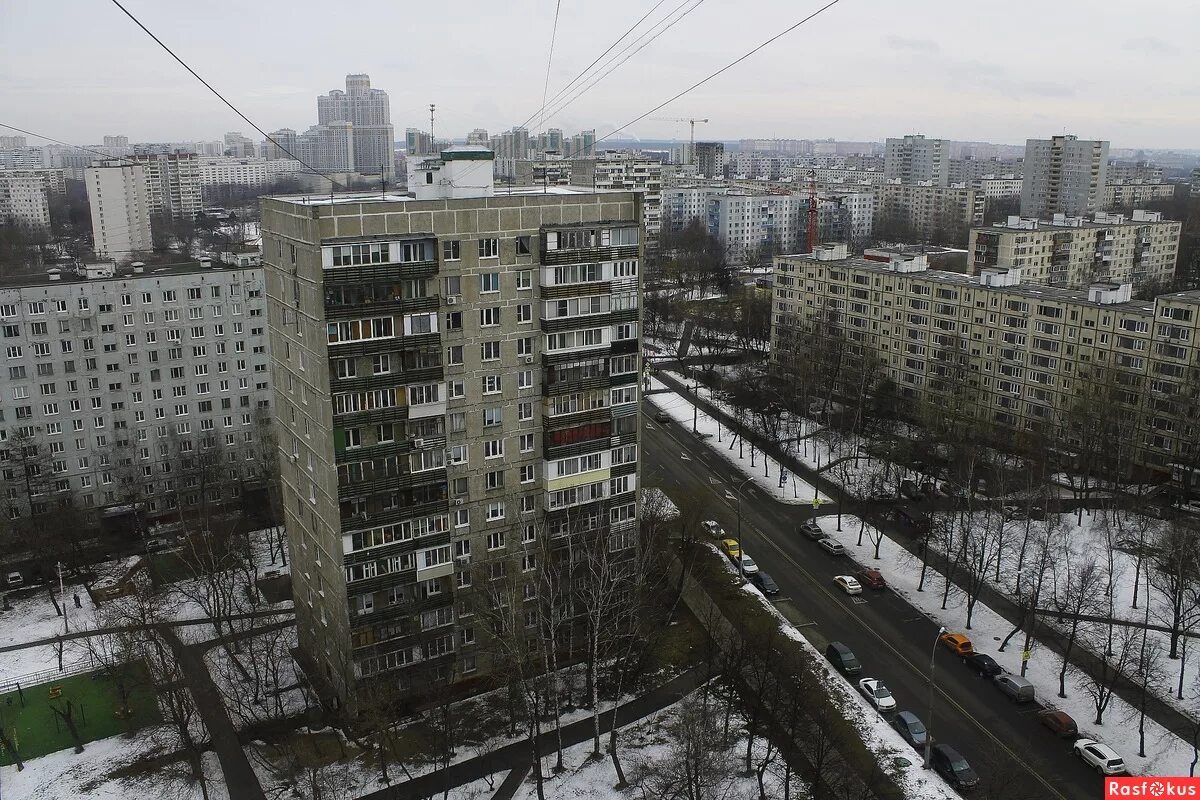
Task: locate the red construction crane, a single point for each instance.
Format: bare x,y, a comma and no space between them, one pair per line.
812,211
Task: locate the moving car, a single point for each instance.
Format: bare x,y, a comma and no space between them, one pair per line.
1099,756
983,665
832,546
877,694
731,548
13,579
765,583
1060,723
872,578
909,490
812,530
748,567
1018,689
843,658
957,643
713,528
662,416
911,729
953,767
848,584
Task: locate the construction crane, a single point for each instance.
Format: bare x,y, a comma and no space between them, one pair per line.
691,138
812,211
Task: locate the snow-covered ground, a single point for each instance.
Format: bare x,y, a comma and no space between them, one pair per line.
757,465
65,775
1167,754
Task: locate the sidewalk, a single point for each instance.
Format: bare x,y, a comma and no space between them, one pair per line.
1161,712
516,758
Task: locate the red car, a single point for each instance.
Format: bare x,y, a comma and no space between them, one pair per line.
872,578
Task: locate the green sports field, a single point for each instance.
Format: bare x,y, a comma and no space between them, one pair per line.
36,730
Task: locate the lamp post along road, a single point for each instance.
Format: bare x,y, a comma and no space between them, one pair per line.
929,723
738,497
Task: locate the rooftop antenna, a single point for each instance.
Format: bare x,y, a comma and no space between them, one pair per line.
432,149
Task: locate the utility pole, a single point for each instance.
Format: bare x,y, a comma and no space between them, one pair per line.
432,149
62,598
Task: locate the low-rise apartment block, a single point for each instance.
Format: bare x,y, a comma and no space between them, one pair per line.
1073,252
1023,354
1130,194
458,392
936,214
244,171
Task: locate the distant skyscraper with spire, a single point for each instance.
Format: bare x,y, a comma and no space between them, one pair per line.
366,145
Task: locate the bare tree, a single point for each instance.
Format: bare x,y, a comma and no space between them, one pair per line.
1121,643
1078,582
1176,576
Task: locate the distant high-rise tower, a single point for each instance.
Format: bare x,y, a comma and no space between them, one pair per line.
1063,175
710,159
915,159
368,113
282,144
14,141
118,193
116,141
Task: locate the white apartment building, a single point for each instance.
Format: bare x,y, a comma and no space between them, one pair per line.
1073,252
1063,175
1128,194
118,380
173,183
119,198
997,187
966,170
24,201
22,157
915,159
682,204
1124,172
244,171
631,172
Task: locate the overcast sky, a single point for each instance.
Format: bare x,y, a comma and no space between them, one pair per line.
1125,71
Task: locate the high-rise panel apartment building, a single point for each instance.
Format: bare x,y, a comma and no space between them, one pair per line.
1074,252
116,141
119,198
173,183
282,144
710,159
631,171
935,214
25,200
915,159
1063,175
458,377
1014,355
123,380
367,112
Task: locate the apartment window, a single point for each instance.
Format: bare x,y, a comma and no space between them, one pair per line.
525,379
454,320
494,480
528,473
495,540
451,250
458,454
525,346
489,351
491,384
489,248
493,416
381,364
454,355
456,390
526,443
458,422
524,411
489,317
489,282
462,518
525,312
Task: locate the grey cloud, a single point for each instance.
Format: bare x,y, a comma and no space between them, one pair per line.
1148,44
905,43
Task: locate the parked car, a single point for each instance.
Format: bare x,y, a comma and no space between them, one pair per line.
947,762
911,729
731,548
1100,757
872,578
877,695
13,579
662,416
765,583
1037,513
1060,723
713,528
748,567
832,546
1015,512
843,659
1018,689
812,530
957,643
908,489
157,544
848,584
911,518
983,665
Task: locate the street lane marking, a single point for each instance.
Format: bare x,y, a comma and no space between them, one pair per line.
683,456
859,601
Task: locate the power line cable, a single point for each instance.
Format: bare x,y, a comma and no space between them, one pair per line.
107,156
607,50
550,57
221,97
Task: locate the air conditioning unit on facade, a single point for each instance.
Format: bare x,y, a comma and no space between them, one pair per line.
418,444
451,300
528,359
458,501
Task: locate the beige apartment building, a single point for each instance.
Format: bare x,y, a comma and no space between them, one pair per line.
458,379
937,214
1073,252
1129,194
1025,351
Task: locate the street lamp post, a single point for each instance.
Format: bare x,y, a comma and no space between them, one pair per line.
737,496
929,723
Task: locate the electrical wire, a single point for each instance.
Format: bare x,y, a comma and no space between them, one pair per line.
550,57
221,97
106,156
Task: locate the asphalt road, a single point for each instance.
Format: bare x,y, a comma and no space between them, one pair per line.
1015,756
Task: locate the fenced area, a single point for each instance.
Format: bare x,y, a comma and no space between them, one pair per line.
91,700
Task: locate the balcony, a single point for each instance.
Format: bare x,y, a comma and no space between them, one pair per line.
374,273
394,305
587,255
372,483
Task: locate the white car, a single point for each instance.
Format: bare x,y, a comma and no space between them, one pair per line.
848,584
748,565
878,695
713,528
832,546
1099,756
